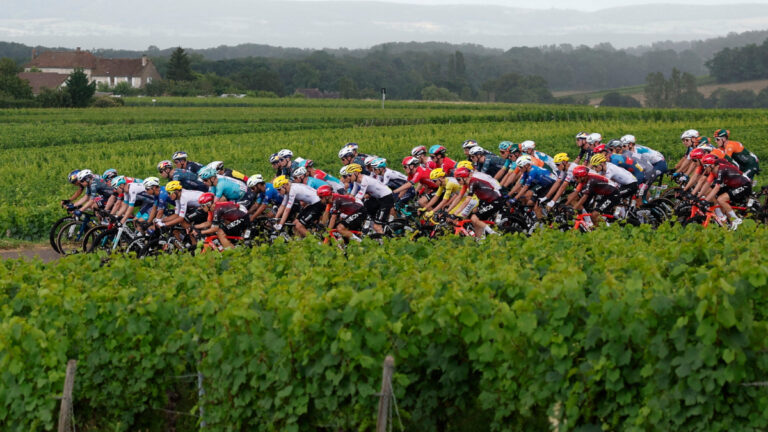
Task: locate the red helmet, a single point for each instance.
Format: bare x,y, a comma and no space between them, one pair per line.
580,171
709,159
600,148
206,198
698,153
418,151
324,191
461,173
410,160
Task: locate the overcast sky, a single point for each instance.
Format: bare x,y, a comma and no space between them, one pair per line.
137,24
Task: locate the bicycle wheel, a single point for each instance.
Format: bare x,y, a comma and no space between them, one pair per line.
105,242
53,235
90,236
70,237
136,247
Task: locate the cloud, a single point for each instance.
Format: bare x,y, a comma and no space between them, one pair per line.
411,26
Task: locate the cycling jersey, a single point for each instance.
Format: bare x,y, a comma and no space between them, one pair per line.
99,187
360,160
491,165
618,175
746,160
485,187
628,164
302,193
237,175
322,175
567,175
231,189
538,177
730,178
597,185
187,199
162,199
226,212
345,205
421,176
448,165
548,162
374,188
194,167
188,180
136,192
269,196
393,178
650,154
449,188
315,183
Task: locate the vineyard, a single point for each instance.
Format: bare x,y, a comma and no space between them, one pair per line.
620,329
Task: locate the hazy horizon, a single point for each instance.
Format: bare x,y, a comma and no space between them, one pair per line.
318,24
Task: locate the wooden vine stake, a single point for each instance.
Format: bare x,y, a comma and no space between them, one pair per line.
385,397
66,398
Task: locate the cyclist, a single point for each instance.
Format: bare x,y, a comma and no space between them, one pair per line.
581,142
297,193
505,153
300,175
180,160
346,213
626,182
420,153
380,197
319,174
438,154
132,192
226,188
689,139
72,179
186,211
487,191
393,179
735,152
225,218
529,147
599,195
564,178
730,186
448,192
536,184
188,179
418,178
266,197
162,204
218,166
359,158
98,192
586,144
286,162
483,162
656,159
274,160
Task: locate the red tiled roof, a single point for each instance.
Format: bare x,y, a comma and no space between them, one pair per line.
64,59
40,80
118,67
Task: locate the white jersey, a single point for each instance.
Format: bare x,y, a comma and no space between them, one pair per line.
188,198
618,174
134,189
567,175
650,154
371,186
390,175
302,193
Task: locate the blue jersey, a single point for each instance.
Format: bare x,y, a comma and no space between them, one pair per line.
229,188
538,176
315,183
269,196
629,165
162,200
189,180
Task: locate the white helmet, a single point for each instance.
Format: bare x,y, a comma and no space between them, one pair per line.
476,150
285,153
469,144
690,133
298,172
594,138
255,180
299,160
370,160
527,145
628,139
216,165
523,161
150,182
84,175
346,152
343,171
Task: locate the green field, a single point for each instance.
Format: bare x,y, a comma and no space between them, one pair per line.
620,329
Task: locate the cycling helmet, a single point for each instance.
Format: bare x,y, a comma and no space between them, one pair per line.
469,144
465,164
722,133
561,157
285,153
461,173
308,163
437,149
206,198
343,171
84,175
597,159
353,145
614,143
173,186
582,135
299,172
72,176
527,145
109,174
150,182
354,168
216,165
346,152
523,161
369,160
163,165
709,159
179,155
580,171
324,191
600,148
628,139
410,160
117,181
594,138
379,163
697,154
273,158
418,151
505,145
690,133
254,180
436,174
280,181
476,150
206,173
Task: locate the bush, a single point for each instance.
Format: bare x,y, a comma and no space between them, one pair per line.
49,98
261,94
436,93
615,99
107,102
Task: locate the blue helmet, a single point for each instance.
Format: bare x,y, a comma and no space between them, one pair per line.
379,163
207,173
72,176
274,158
109,174
437,149
505,145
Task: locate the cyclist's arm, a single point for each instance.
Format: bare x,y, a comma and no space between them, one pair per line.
580,204
404,187
77,193
332,222
712,196
172,220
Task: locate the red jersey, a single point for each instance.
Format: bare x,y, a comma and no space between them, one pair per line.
421,176
597,185
226,212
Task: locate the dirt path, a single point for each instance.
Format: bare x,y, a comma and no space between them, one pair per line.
44,252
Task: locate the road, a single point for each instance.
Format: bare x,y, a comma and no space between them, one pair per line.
44,252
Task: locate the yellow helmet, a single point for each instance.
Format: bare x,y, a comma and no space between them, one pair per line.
173,186
353,168
437,173
465,164
561,157
597,159
280,181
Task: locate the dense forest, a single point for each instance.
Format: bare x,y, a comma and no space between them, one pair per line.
746,63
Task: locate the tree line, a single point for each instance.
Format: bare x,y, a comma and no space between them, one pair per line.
746,63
